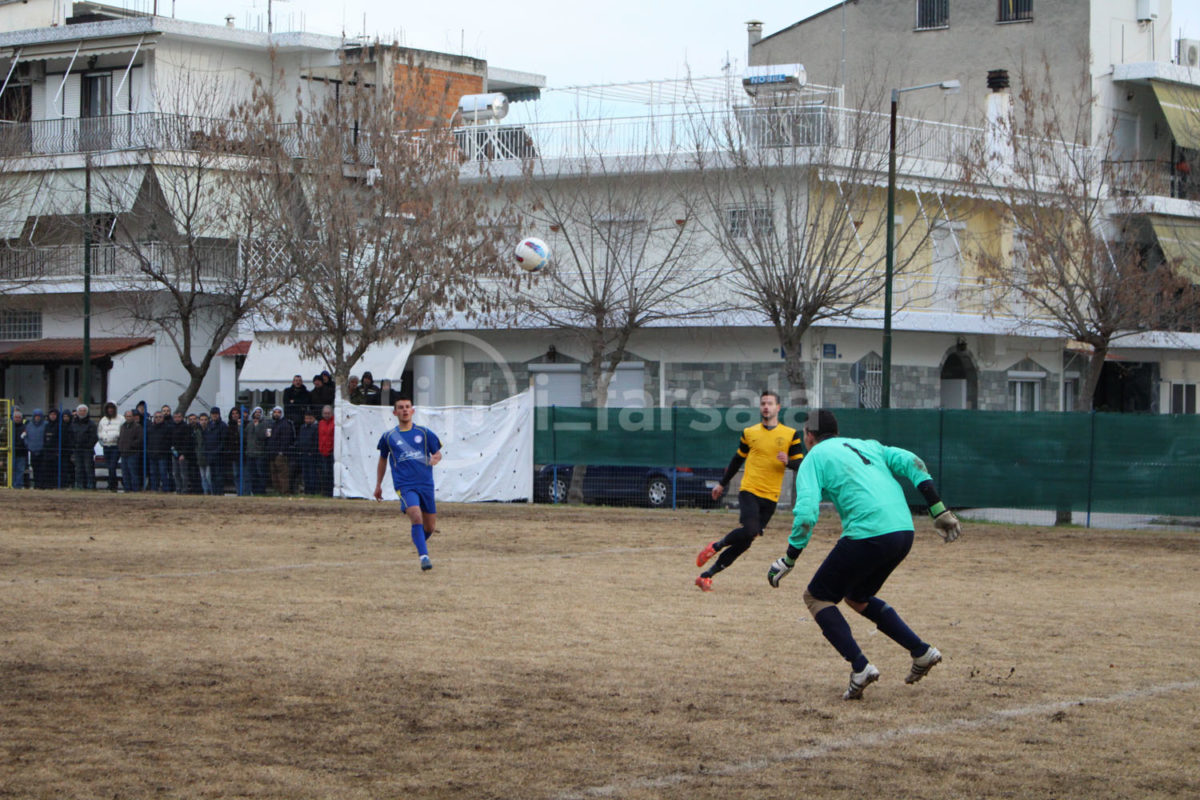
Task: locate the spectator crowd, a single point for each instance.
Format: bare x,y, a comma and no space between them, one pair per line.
287,450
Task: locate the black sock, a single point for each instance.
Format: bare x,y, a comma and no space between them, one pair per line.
837,631
891,626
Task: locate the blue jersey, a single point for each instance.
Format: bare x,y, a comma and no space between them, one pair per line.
408,453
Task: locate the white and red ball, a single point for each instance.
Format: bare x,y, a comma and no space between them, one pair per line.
532,254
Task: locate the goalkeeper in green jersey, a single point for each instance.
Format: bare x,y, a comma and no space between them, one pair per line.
859,477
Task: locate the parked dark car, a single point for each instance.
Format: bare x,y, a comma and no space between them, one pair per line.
656,487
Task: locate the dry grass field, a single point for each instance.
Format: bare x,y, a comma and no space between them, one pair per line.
270,648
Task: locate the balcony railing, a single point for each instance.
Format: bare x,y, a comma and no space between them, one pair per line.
212,262
653,135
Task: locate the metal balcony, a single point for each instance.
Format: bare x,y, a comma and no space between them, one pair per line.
108,261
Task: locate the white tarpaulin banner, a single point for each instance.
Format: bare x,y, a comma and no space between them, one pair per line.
487,451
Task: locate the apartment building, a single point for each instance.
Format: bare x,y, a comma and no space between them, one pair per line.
99,107
1140,93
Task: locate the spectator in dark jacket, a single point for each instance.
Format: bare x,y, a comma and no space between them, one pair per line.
82,436
308,449
141,411
183,455
235,452
295,400
322,393
35,441
214,450
367,392
281,437
129,443
158,452
256,451
20,450
387,395
56,440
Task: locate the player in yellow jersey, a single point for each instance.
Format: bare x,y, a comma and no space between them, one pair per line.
767,449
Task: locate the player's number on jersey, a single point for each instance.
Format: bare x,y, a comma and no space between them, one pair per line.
865,460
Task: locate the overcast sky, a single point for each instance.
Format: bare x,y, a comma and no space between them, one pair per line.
570,43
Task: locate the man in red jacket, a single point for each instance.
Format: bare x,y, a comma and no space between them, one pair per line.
325,448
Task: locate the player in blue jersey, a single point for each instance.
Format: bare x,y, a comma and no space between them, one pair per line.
412,451
859,477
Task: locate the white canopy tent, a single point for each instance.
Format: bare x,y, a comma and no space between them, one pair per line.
272,362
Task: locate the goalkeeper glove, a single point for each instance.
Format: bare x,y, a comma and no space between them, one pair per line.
781,567
947,526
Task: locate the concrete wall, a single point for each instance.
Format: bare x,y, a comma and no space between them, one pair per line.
883,51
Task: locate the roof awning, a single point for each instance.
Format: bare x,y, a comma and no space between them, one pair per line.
16,191
207,204
87,48
272,362
62,192
1181,106
54,351
1179,239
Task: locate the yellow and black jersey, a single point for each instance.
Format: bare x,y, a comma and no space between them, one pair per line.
759,448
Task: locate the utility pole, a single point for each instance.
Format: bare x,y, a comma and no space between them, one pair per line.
85,392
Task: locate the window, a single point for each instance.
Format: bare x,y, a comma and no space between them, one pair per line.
96,98
867,374
1070,391
627,387
1183,398
1025,391
1015,11
1024,395
947,265
933,14
748,222
557,385
23,325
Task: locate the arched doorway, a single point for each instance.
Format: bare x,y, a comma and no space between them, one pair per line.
960,380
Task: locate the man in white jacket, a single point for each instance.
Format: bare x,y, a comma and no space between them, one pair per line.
108,431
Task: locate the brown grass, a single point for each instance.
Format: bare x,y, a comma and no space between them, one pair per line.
191,647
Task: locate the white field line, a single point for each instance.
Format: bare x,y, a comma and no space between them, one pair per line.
875,739
60,579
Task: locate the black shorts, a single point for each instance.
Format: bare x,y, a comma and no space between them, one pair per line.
754,512
855,569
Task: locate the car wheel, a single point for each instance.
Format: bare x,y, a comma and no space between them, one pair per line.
658,492
557,490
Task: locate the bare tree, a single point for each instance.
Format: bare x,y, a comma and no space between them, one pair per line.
194,259
626,256
384,236
1070,255
794,199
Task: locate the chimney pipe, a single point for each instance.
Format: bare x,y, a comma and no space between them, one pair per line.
753,35
999,128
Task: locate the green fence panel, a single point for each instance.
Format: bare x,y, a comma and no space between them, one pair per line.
1147,464
1123,463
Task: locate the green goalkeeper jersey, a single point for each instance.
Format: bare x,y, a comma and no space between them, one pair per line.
859,477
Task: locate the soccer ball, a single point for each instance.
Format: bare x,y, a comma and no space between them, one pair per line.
532,254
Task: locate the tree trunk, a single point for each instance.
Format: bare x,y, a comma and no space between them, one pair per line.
1087,392
793,367
193,388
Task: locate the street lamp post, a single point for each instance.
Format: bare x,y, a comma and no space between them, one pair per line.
951,86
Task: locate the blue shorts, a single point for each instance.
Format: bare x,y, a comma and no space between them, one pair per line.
422,497
856,568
